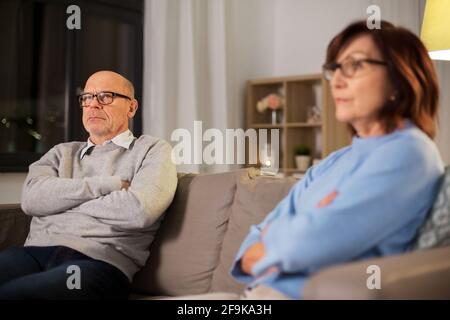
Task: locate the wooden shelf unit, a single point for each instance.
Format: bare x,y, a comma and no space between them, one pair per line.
301,93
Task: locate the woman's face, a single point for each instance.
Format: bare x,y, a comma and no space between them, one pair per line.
359,98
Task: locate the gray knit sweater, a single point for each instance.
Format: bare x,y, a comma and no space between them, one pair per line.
79,203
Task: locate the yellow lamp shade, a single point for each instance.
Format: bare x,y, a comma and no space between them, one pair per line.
436,29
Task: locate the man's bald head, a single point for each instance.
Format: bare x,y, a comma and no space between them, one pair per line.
111,80
105,121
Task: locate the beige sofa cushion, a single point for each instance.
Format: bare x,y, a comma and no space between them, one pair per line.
255,198
187,247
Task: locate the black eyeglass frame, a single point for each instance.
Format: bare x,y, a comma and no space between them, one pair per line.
95,95
334,66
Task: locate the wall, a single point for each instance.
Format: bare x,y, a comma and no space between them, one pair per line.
303,29
252,45
443,136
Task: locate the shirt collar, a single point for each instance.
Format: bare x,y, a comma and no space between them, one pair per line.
123,140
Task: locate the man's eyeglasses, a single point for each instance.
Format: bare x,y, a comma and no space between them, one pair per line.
103,98
350,67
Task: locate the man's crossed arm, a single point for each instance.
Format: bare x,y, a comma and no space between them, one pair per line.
120,203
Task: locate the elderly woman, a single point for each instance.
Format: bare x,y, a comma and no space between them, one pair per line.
368,199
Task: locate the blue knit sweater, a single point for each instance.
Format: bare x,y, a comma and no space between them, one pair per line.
365,200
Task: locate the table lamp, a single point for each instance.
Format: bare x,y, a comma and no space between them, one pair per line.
436,29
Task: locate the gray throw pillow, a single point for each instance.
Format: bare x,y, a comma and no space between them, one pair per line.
435,232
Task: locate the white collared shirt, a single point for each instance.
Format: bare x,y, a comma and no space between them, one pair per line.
123,140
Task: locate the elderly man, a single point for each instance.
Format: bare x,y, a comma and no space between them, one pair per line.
96,205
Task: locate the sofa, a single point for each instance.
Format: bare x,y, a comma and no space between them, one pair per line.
206,223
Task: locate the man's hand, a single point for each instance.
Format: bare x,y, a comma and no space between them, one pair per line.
253,254
125,185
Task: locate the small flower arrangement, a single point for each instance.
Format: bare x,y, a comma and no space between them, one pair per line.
273,101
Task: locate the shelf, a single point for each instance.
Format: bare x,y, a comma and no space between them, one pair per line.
303,124
266,126
287,125
304,95
264,82
292,170
280,80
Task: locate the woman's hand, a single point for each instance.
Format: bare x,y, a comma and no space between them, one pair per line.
253,254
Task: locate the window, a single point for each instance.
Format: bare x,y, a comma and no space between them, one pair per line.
45,65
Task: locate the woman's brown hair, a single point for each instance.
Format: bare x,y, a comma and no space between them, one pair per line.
409,68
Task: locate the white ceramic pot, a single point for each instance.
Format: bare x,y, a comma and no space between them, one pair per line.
303,162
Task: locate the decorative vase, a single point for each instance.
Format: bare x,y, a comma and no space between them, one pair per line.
275,117
303,162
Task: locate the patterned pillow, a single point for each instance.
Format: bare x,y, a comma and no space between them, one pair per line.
436,230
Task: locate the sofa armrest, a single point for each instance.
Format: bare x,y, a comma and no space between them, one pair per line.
421,274
14,225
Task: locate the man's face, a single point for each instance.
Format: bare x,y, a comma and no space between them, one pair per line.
104,122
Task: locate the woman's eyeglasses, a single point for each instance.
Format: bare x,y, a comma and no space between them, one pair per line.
103,98
350,67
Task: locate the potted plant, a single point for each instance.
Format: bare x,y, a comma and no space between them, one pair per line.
302,157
